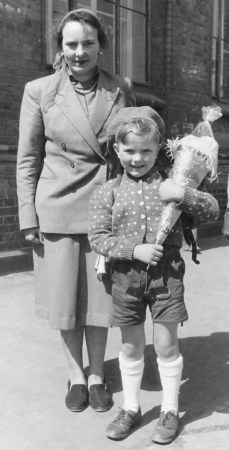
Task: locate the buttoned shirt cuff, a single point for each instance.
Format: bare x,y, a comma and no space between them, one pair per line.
187,199
128,250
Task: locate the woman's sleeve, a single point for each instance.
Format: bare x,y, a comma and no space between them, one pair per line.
201,205
30,156
101,237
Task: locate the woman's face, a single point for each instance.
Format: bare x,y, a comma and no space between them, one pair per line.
80,48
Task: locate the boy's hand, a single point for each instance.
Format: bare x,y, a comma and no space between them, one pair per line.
148,253
170,191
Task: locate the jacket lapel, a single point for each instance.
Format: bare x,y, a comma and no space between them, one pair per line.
69,104
106,94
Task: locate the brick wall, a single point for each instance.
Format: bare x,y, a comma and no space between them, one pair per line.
22,59
158,47
186,83
9,234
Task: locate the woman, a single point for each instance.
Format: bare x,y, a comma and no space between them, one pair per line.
62,157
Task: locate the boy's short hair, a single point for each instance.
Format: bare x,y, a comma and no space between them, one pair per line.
138,126
127,116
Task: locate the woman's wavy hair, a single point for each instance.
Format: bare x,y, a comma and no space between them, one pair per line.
78,15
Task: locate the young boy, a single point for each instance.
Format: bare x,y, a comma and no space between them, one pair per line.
123,226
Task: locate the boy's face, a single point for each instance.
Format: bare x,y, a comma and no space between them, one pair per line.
138,154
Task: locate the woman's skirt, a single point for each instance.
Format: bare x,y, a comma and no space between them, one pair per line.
67,291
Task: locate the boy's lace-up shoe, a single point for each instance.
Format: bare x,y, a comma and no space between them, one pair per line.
77,397
122,426
167,428
100,399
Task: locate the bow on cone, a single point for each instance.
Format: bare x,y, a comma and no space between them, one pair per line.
195,158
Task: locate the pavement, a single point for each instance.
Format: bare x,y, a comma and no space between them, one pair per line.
33,373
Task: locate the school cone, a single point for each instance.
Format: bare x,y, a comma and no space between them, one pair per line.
195,158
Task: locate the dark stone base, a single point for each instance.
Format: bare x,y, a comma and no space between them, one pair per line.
16,261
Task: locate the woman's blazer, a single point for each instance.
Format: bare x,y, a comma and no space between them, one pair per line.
62,156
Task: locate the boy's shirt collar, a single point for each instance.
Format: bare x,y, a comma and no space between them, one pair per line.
145,177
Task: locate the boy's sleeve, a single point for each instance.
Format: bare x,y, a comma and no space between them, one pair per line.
101,237
201,205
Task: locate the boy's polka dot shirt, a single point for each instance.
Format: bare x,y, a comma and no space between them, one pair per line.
118,222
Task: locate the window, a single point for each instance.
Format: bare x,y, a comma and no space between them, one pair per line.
220,50
127,26
54,11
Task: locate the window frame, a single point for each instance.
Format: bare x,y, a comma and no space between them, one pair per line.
218,51
48,32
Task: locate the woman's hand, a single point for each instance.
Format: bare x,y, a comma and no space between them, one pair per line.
34,235
170,191
148,253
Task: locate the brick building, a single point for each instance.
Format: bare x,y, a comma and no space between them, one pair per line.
173,50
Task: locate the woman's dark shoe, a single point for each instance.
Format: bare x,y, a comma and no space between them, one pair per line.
100,398
77,397
122,426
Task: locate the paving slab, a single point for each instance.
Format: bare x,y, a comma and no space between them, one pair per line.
33,372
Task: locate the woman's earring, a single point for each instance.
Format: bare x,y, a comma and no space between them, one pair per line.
100,53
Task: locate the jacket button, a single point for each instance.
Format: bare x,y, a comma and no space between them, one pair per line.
64,146
72,165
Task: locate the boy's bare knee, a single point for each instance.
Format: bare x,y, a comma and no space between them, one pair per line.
133,341
132,352
167,352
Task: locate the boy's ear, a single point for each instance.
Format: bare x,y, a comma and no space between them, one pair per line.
115,147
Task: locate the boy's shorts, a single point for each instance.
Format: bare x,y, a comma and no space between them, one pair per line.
161,288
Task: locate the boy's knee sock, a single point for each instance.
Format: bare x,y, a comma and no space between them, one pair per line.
131,372
170,374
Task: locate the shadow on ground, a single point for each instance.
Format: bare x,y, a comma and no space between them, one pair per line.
206,374
114,379
213,242
205,380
